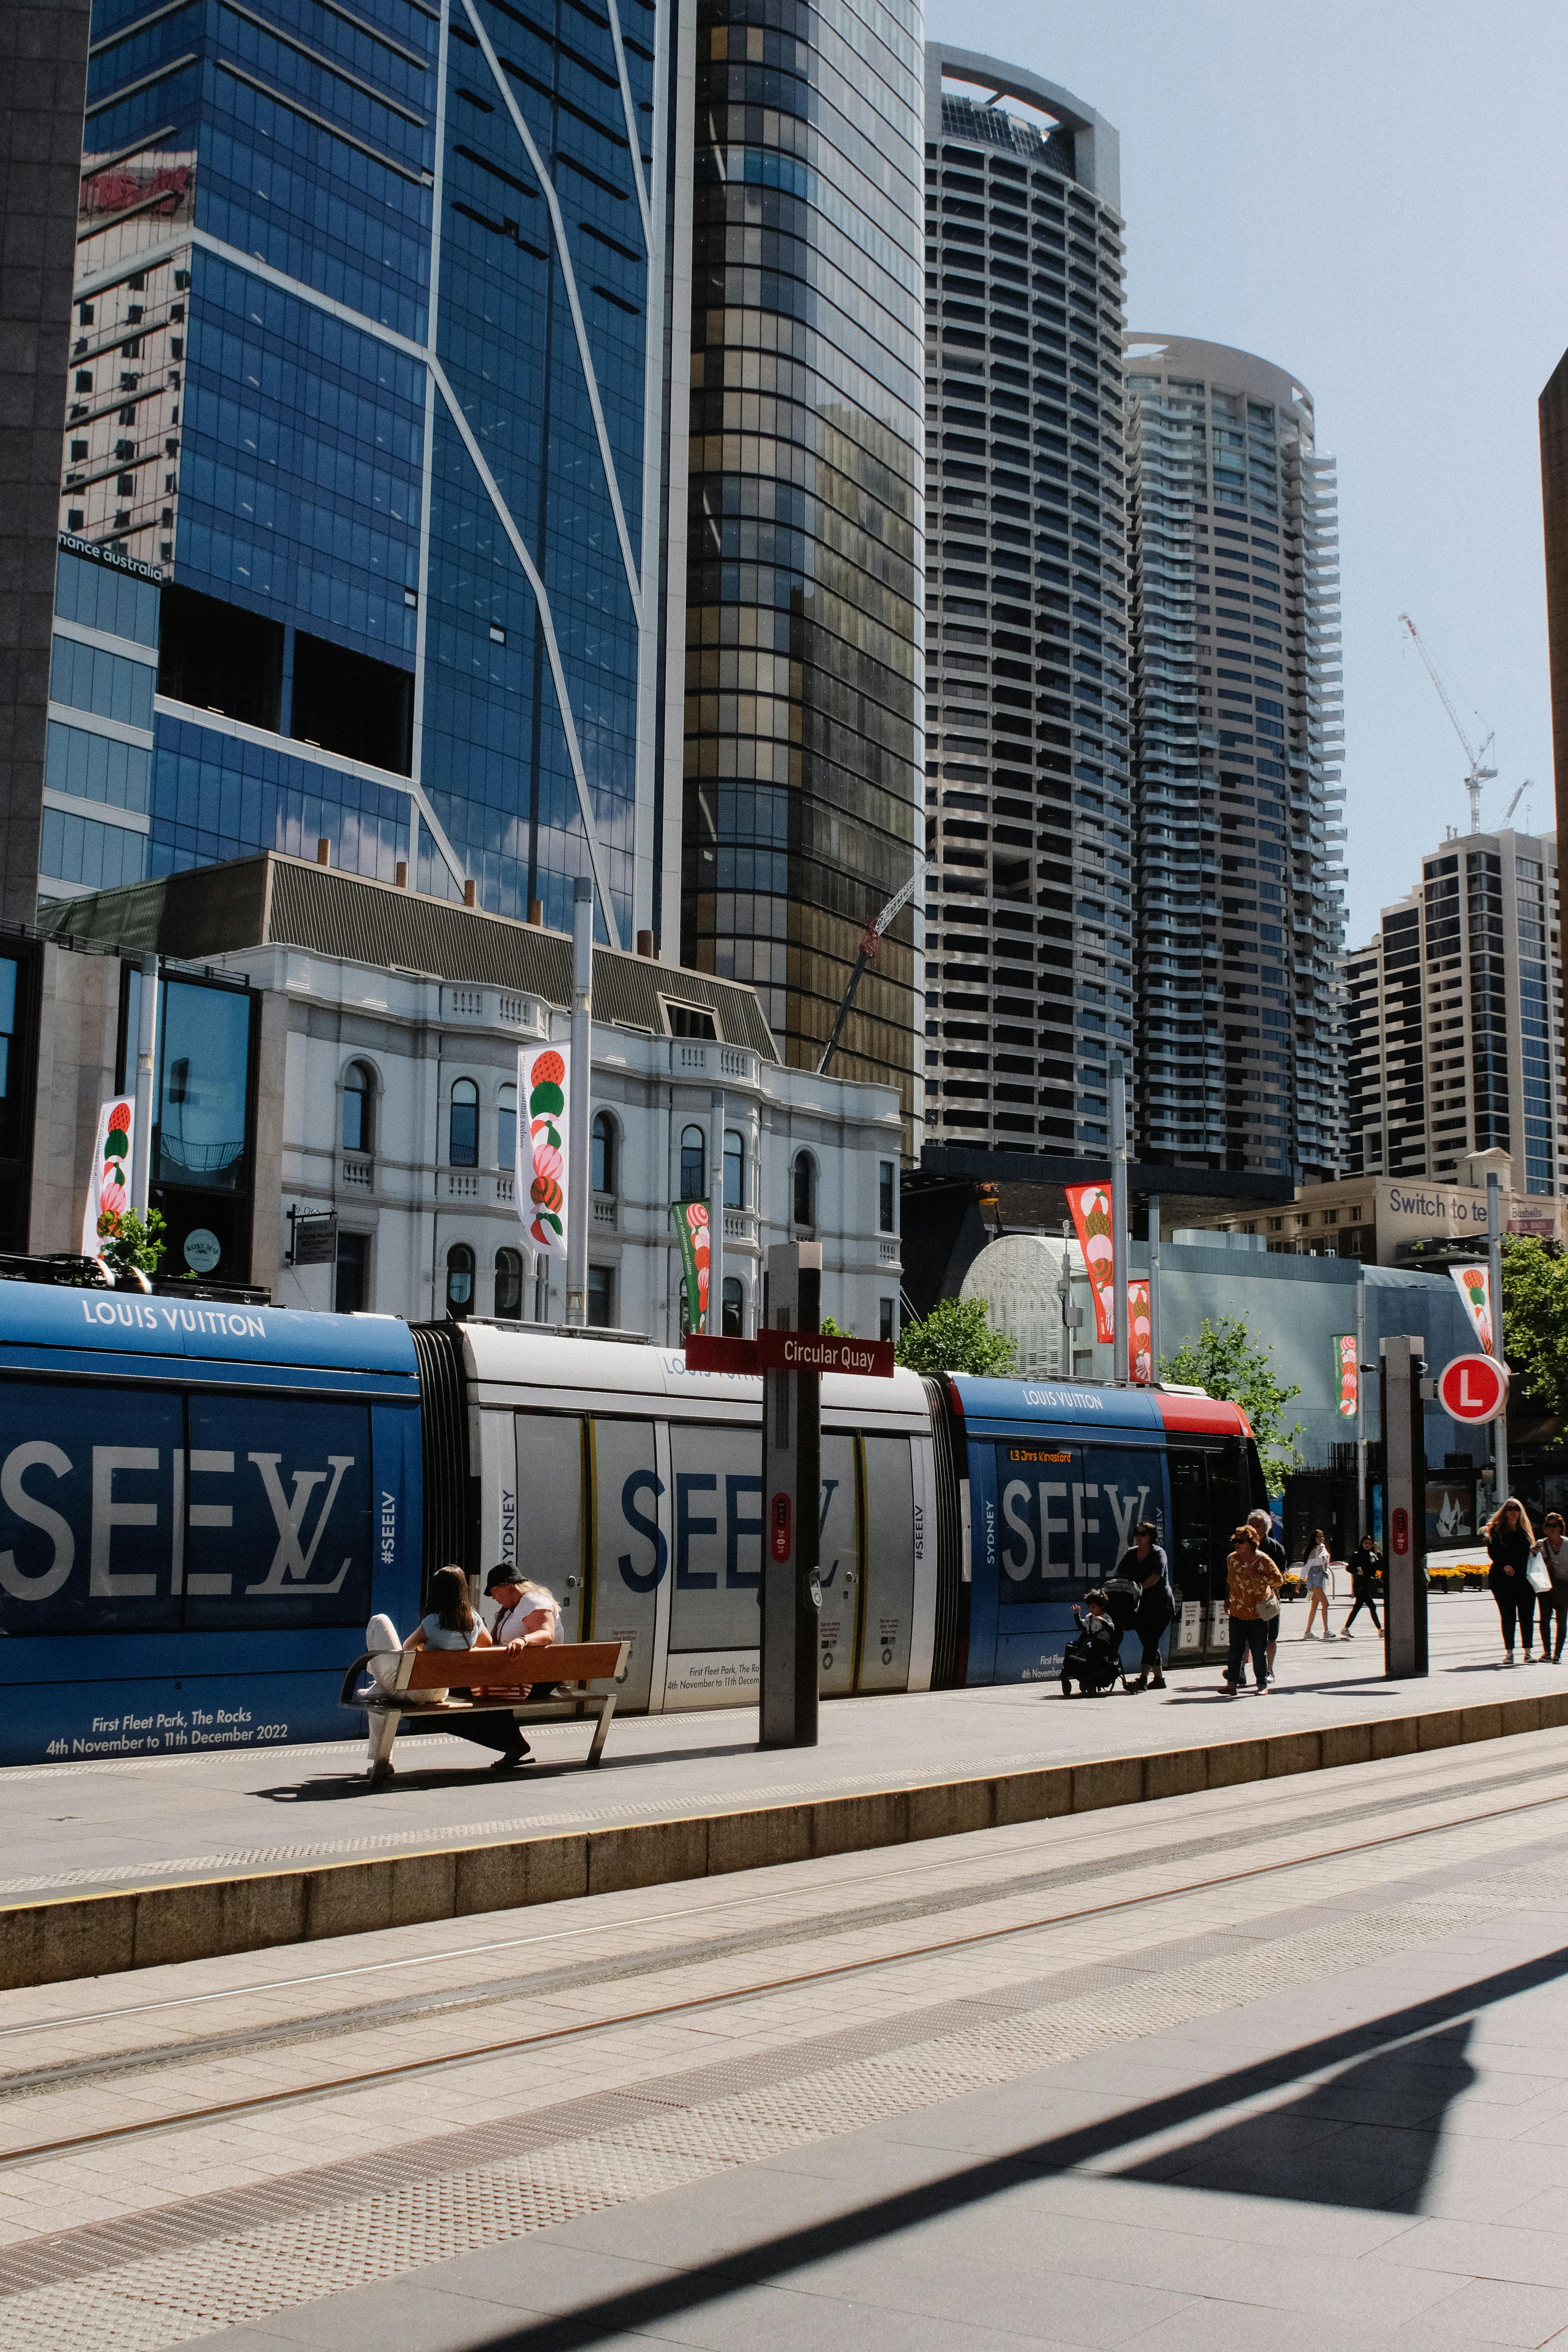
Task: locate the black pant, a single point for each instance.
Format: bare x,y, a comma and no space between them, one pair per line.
1557,1601
1362,1601
498,1731
1247,1634
1515,1596
1154,1615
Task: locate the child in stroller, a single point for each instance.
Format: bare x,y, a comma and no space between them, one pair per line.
1093,1657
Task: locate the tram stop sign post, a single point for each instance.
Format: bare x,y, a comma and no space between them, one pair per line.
1403,1507
792,1356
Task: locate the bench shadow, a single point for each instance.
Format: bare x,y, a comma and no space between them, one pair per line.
352,1781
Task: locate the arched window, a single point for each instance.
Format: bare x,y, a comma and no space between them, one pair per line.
693,1164
359,1099
506,1129
734,1169
508,1283
805,1203
463,1135
734,1307
603,1152
459,1282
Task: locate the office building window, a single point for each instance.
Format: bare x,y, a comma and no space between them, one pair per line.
350,1291
886,1324
358,1099
602,1297
508,1283
506,1126
734,1169
803,1207
694,1163
734,1304
463,1136
459,1282
887,1195
603,1152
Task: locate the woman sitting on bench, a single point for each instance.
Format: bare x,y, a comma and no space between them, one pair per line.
452,1624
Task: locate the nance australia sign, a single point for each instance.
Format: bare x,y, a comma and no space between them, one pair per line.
1419,1212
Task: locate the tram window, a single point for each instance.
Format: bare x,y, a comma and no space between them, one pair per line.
459,1282
279,1513
244,1512
463,1132
1069,1512
508,1283
693,1164
506,1126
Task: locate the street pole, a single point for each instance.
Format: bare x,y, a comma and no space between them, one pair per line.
792,1481
580,1109
146,1039
1403,1507
716,1217
1494,1258
1117,1075
1154,1286
1364,1523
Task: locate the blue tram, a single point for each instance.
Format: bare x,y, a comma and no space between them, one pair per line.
201,1505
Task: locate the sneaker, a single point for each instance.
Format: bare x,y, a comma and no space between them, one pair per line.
1507,1658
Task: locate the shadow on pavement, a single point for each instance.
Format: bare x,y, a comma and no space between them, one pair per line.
1392,2095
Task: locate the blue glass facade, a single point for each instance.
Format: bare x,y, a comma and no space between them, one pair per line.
368,369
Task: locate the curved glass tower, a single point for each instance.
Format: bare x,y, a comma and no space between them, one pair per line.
1238,741
803,714
1029,972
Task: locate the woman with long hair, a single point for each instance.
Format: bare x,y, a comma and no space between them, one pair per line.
1319,1583
1511,1539
452,1622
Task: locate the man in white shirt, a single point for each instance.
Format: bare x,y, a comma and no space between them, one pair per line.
524,1613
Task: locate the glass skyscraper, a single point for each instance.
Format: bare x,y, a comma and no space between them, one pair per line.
1029,973
803,522
1238,739
369,379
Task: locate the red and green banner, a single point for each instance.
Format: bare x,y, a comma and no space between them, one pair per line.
690,1220
1474,1284
109,1184
541,1177
1091,1206
1347,1377
1139,1333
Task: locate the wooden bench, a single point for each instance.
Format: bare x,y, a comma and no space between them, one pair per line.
420,1674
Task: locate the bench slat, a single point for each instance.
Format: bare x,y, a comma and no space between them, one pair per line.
564,1662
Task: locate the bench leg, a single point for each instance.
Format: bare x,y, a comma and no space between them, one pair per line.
606,1709
381,1728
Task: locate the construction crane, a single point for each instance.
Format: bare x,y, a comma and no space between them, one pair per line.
870,941
1527,786
1477,775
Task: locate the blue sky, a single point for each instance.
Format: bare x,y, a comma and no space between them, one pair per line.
1375,197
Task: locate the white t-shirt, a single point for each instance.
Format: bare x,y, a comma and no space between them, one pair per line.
512,1624
1318,1564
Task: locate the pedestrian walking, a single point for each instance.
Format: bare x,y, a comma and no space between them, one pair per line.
1146,1566
1262,1525
1252,1580
1511,1539
1552,1554
1366,1566
1319,1571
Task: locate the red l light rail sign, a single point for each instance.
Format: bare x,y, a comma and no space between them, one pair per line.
1473,1388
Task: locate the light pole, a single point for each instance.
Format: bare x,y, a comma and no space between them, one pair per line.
1116,1073
579,1111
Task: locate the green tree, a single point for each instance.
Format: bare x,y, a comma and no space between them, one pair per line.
1225,1360
831,1329
130,1242
956,1336
1535,1320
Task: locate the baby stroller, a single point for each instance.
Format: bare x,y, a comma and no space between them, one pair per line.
1092,1659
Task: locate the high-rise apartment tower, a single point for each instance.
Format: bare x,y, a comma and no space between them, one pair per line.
1455,1019
1238,738
802,520
1030,969
368,386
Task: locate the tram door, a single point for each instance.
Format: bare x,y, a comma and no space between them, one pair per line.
1209,1496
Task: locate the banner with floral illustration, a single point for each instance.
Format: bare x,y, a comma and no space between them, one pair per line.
1474,1284
1347,1375
1090,1207
1139,1333
690,1221
109,1184
542,1178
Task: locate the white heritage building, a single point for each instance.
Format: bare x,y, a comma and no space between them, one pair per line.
385,1042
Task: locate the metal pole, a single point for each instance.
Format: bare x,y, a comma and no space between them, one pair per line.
716,1217
792,1514
1404,1507
146,1039
1494,1256
580,1109
1116,1073
1363,1522
1154,1286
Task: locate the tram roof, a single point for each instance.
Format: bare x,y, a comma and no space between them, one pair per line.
99,1324
1095,1407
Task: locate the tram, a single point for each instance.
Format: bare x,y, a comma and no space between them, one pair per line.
201,1505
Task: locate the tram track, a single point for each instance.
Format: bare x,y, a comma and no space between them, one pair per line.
76,2074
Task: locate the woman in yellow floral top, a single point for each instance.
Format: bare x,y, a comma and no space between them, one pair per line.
1250,1577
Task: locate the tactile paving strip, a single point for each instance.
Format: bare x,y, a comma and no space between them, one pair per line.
229,2261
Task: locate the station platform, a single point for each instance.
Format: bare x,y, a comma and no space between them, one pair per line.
113,1822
